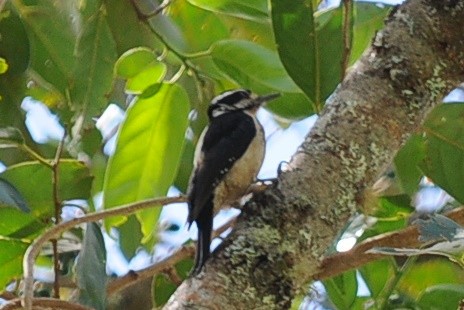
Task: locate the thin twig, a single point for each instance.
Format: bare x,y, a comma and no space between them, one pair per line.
34,250
182,57
44,303
57,203
6,295
143,17
180,254
347,13
173,276
133,276
178,75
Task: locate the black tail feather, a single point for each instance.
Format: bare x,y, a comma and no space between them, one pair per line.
205,227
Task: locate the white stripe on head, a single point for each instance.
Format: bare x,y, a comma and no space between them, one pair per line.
222,109
219,97
231,96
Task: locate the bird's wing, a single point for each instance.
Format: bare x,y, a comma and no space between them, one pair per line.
226,140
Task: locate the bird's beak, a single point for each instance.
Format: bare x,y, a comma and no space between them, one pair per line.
263,99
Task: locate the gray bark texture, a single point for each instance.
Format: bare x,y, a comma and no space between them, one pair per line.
283,233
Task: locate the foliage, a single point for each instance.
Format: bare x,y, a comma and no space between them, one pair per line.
77,57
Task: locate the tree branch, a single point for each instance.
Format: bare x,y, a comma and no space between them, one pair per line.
283,233
180,254
44,303
356,257
57,202
34,250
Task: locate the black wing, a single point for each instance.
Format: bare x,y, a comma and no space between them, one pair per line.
226,140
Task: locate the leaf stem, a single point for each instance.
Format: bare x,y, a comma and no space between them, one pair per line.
57,203
199,54
184,58
35,155
178,75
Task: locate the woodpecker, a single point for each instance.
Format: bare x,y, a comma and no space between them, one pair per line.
227,160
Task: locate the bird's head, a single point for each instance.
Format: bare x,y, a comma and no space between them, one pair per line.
237,100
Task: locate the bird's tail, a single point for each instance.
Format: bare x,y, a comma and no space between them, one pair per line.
205,227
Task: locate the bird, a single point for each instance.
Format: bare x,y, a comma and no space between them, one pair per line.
227,159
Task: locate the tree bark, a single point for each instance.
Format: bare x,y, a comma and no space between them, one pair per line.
283,233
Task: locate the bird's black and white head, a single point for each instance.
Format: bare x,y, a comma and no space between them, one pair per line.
237,100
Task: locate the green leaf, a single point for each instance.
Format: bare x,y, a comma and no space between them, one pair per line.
431,272
134,61
151,75
147,154
15,47
10,197
391,215
329,53
200,28
130,234
376,274
12,93
91,269
313,61
369,18
3,65
252,10
292,106
127,30
49,26
46,94
95,58
297,301
252,66
361,303
10,136
444,161
141,69
407,162
34,181
442,296
185,166
184,267
295,35
19,224
11,259
259,69
342,289
163,288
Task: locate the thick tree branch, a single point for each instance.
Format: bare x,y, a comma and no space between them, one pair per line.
282,234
